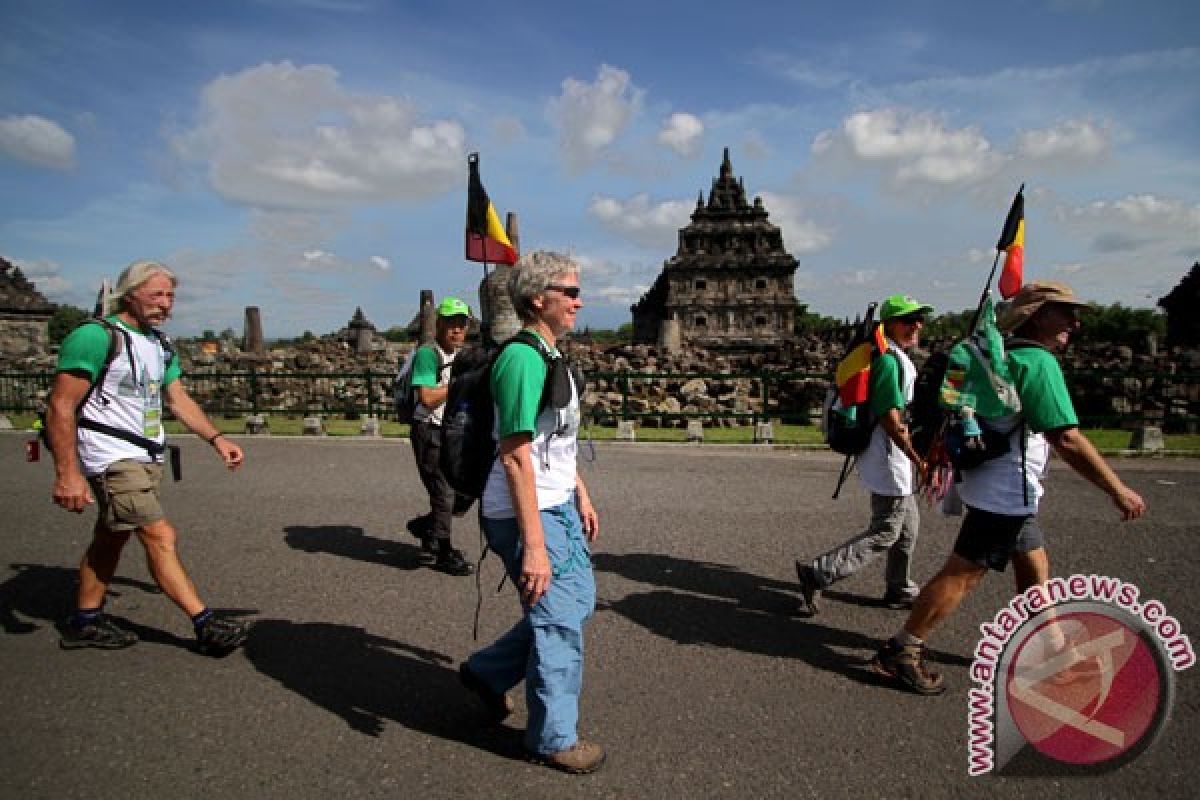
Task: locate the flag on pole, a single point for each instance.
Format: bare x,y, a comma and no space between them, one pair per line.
853,375
486,239
1012,242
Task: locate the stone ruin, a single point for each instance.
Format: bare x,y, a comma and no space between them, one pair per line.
729,285
24,314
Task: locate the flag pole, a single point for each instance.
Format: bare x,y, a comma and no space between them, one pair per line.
987,287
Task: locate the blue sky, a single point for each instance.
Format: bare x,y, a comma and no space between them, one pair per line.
309,156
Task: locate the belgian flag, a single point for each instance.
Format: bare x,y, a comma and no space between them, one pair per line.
853,373
1012,242
486,239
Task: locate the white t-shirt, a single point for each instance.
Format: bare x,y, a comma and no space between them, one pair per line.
553,452
883,467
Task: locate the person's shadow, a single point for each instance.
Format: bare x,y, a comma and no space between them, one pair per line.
720,606
367,679
47,594
350,541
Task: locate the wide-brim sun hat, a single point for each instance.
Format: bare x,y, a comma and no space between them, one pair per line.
1031,298
901,305
453,307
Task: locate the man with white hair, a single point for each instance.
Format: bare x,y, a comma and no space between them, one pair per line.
104,426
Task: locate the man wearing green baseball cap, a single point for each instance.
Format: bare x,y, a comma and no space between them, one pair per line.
885,469
430,379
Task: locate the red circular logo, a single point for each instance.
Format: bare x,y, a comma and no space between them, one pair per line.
1084,688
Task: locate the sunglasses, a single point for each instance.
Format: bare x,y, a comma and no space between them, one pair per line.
912,319
569,291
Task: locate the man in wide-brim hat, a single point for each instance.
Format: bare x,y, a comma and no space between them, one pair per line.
1001,495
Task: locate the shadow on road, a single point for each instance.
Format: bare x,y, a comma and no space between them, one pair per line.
350,541
367,679
48,593
720,606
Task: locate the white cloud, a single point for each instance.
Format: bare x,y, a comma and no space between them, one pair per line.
382,263
682,133
915,147
37,140
1073,140
611,283
1145,211
654,226
590,116
281,136
800,234
47,276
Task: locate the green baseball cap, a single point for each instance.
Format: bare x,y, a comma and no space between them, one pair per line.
901,305
453,307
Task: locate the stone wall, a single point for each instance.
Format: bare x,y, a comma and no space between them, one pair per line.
23,339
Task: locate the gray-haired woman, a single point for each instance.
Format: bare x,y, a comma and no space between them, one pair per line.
537,515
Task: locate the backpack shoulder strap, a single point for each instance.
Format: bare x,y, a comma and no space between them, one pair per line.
531,340
168,347
118,341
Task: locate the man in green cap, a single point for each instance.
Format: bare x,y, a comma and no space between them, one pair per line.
885,468
430,379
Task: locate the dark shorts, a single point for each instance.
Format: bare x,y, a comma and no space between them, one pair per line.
127,495
990,540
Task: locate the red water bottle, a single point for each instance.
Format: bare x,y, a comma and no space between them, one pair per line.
33,450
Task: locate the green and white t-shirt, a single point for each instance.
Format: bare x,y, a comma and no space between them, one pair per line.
518,379
999,485
131,397
883,467
425,373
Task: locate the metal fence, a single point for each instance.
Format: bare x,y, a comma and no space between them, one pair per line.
1167,399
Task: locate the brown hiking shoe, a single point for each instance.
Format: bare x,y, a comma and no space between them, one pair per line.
906,664
578,759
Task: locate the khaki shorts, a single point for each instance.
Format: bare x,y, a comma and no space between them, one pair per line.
127,495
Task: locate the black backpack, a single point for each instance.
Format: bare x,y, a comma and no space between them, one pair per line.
926,415
468,449
405,395
848,431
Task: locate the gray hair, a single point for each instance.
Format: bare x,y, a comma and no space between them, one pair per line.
138,273
532,275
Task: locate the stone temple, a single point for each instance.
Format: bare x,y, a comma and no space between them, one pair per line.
730,284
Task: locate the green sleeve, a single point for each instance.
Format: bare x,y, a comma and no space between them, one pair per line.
425,367
84,350
174,371
885,390
1045,402
517,381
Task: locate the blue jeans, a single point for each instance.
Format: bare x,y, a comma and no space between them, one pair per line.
545,648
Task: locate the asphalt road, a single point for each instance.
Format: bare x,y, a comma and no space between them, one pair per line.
698,681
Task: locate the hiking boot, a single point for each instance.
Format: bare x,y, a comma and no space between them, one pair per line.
578,759
422,528
100,633
898,600
807,607
220,636
497,704
906,664
451,562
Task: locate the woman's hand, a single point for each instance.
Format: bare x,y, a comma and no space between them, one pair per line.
535,575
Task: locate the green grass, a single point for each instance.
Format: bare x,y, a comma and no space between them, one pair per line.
1105,439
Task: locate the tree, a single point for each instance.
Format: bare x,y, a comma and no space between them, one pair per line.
64,320
1118,324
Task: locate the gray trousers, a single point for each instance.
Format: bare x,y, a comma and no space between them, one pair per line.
895,522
